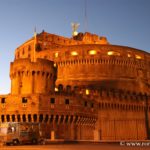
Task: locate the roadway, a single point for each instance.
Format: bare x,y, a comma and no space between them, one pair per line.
87,146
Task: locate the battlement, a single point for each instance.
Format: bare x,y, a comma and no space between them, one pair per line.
24,75
21,65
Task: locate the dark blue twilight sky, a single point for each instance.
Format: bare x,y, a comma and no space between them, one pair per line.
123,22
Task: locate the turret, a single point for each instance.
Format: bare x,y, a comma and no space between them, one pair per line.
32,77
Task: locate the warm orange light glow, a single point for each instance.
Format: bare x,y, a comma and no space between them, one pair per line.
92,52
56,89
87,92
113,53
110,53
74,53
56,54
138,57
55,65
75,33
129,55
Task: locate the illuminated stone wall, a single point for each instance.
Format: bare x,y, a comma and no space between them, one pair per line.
65,115
101,90
121,115
32,77
94,66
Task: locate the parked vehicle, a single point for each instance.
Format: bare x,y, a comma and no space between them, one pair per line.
20,133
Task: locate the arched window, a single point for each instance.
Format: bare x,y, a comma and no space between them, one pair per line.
41,118
62,118
35,117
76,88
18,118
24,118
60,87
66,120
29,117
13,118
8,118
46,118
33,72
52,117
68,88
2,118
29,48
56,119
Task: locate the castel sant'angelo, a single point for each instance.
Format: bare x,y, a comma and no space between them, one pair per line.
79,88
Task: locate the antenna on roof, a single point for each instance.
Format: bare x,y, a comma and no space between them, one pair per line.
85,16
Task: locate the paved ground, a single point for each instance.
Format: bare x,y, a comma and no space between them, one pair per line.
100,146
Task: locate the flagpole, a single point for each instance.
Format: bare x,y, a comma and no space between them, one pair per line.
34,49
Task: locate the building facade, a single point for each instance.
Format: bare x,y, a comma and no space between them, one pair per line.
79,88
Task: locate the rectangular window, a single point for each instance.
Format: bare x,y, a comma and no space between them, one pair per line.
24,100
92,105
85,103
52,100
67,101
3,100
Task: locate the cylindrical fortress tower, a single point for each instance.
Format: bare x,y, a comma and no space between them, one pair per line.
107,66
32,77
